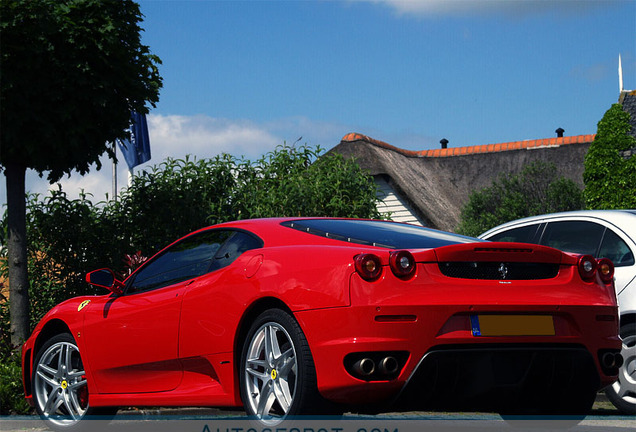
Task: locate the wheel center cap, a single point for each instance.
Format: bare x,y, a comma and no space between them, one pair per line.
274,374
64,384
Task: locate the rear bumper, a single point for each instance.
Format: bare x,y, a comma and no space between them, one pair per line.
443,353
496,378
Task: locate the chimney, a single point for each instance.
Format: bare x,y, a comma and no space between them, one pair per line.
559,132
444,143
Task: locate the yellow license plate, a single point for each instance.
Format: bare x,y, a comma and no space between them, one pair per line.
512,325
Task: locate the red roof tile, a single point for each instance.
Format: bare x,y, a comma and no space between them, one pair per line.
486,148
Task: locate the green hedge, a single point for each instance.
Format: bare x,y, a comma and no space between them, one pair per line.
537,189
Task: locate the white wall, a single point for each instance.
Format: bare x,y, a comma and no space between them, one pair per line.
392,203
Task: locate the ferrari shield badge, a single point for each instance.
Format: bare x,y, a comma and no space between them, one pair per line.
503,270
83,305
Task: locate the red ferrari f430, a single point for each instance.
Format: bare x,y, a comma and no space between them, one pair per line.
296,316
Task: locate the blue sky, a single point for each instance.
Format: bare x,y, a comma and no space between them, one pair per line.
244,77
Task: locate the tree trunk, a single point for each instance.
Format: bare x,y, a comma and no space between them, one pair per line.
17,254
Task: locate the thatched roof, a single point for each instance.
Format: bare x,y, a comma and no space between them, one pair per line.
438,183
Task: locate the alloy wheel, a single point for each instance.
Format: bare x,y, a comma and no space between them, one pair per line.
625,387
60,384
271,373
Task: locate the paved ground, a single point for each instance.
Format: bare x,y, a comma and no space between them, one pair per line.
603,418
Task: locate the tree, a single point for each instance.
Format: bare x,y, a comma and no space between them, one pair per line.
535,190
72,72
610,176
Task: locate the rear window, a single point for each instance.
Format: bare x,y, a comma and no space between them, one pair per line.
614,248
573,236
524,234
386,234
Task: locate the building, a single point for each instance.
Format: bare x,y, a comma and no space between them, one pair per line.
430,187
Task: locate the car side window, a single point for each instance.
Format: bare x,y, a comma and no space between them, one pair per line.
573,236
238,243
191,257
525,234
614,248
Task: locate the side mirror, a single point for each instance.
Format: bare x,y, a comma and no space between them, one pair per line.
105,278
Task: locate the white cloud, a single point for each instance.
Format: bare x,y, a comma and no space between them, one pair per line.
432,7
518,8
202,136
176,136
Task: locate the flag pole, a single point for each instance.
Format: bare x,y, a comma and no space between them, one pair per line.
114,171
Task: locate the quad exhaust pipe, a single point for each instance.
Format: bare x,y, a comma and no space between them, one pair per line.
611,360
375,365
389,365
366,366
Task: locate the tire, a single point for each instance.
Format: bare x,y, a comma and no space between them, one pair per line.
277,374
59,386
623,392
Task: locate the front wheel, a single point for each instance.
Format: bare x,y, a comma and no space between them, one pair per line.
59,384
623,392
277,373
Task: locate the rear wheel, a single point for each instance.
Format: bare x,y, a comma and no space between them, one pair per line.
277,375
60,390
623,392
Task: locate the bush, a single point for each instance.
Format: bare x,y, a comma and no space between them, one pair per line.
169,200
66,239
296,182
535,190
11,393
179,196
610,178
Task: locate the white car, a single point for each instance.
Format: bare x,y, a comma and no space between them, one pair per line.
601,233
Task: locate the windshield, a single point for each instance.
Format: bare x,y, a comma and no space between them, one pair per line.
386,234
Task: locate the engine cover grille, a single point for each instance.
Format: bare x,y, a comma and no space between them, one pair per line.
499,270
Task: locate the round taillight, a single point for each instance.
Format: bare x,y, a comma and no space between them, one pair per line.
368,266
605,270
402,263
587,267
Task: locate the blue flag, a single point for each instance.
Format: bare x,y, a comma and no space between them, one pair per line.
136,150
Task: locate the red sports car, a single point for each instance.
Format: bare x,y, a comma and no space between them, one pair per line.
309,315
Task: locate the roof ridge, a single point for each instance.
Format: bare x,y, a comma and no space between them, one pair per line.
475,149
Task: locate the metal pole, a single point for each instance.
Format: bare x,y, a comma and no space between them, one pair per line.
114,171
